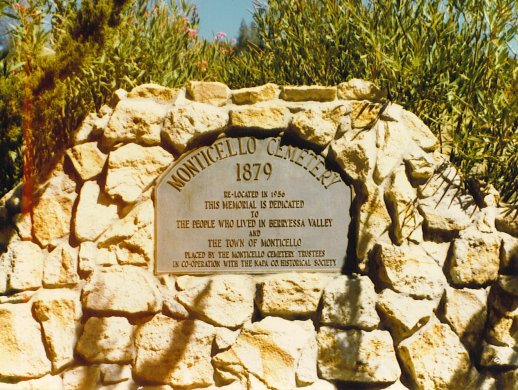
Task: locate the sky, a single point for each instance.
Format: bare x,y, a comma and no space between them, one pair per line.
222,16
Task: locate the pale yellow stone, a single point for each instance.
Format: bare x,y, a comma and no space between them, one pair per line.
23,225
255,94
135,120
115,373
357,356
106,340
59,312
312,127
173,352
125,290
269,350
213,93
497,356
475,258
26,263
186,122
81,378
434,357
52,213
132,168
507,221
267,118
420,133
153,91
466,312
401,198
224,300
22,354
47,382
94,213
374,222
357,89
409,270
61,267
364,114
306,93
392,141
355,152
350,302
87,159
131,239
290,294
403,314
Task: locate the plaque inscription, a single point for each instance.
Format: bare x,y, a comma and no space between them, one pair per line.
250,205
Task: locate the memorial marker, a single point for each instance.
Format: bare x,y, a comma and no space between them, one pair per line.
251,205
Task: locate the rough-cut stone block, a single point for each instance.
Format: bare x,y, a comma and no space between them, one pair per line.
94,213
225,337
223,300
132,238
507,222
255,94
26,259
357,356
509,283
153,91
409,270
308,93
87,159
401,199
272,117
135,120
420,133
125,290
403,314
84,132
420,167
475,258
59,312
393,144
53,211
22,354
496,356
213,93
444,220
290,294
355,153
466,312
272,350
184,123
81,378
47,382
509,253
61,267
434,357
173,352
357,89
23,225
364,114
5,271
312,127
132,168
106,340
114,373
503,318
373,223
351,302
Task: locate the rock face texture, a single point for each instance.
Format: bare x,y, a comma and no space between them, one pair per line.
428,299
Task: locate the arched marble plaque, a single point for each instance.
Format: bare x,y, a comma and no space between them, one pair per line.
250,205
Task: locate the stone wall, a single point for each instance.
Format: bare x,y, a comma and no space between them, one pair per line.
428,299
